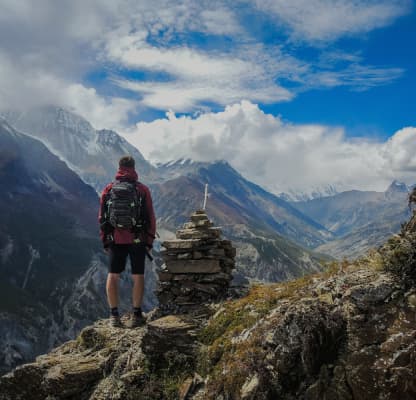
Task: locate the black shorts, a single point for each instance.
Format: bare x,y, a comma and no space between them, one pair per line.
118,258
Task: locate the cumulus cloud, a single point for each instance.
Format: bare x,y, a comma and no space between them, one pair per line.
23,89
328,20
279,155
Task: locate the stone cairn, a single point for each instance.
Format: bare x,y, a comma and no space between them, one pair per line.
198,267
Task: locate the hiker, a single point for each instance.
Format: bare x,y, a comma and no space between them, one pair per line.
127,228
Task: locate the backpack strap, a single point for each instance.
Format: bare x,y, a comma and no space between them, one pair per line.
141,209
105,225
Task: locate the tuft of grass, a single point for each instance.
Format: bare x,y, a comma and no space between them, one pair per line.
399,257
227,361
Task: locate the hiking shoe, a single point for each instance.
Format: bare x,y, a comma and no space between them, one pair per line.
115,321
136,320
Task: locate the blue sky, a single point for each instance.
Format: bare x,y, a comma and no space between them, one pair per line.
375,111
378,111
294,94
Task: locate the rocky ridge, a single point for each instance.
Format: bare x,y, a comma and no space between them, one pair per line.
348,333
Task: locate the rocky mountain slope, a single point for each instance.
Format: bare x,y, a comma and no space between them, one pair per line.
257,222
52,268
92,154
349,333
246,201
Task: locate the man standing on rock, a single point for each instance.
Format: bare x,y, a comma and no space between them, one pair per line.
127,228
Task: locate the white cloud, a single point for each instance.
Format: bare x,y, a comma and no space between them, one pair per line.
357,77
198,78
254,72
277,154
41,88
328,20
101,112
400,153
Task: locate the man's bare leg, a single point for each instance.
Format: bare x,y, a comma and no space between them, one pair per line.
112,289
138,290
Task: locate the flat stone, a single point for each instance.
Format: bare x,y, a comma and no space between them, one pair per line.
216,252
199,216
165,276
210,233
184,256
201,223
199,212
194,266
170,324
210,287
180,244
220,277
188,225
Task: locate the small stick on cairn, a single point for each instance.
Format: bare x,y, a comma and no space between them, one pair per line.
198,269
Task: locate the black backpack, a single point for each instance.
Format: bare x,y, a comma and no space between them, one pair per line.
124,207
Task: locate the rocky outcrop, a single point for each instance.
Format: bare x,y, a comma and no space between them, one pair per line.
349,333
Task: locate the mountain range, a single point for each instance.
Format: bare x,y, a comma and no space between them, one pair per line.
52,267
93,154
359,220
178,190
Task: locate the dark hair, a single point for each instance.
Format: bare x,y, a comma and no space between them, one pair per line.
126,161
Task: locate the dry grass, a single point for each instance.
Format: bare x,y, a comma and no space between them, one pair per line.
228,360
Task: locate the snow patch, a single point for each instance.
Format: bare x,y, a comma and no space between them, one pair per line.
6,251
311,194
34,255
52,186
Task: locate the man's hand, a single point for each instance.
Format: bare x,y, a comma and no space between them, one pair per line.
149,249
106,250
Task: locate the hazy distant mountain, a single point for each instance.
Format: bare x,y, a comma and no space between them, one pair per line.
362,239
361,220
92,154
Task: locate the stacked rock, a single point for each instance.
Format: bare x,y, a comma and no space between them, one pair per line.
198,266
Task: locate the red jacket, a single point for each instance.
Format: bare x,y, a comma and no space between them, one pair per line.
124,236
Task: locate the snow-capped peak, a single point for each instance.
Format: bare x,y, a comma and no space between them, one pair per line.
310,194
397,187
